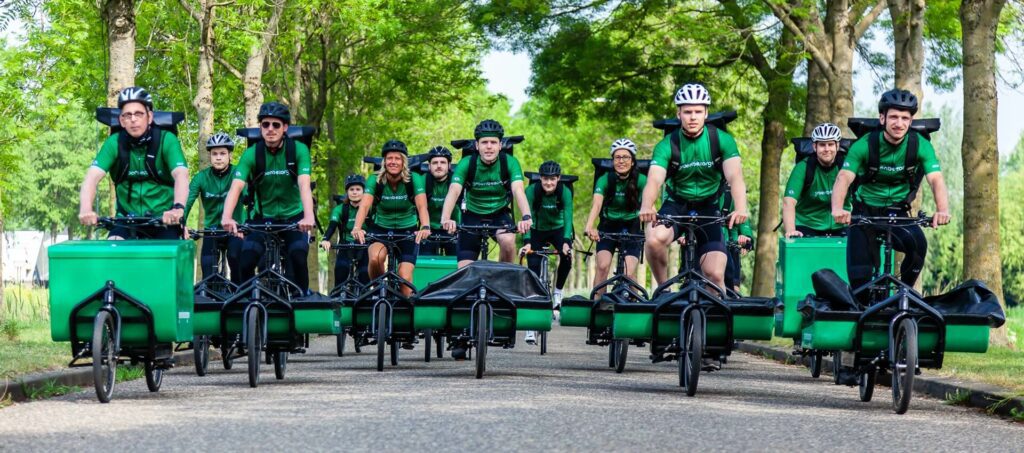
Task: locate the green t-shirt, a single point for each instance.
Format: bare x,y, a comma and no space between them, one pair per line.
346,229
138,195
890,186
212,189
280,196
435,202
394,208
550,217
617,207
488,193
814,207
697,178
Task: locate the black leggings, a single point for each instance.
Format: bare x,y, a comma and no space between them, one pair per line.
294,251
208,258
862,249
343,266
538,239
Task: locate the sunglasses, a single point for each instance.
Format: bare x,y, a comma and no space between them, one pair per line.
271,124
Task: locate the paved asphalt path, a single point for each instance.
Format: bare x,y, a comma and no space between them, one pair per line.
566,400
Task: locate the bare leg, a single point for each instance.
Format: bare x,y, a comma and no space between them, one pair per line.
658,239
604,261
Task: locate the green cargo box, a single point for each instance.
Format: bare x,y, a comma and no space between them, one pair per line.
308,320
577,311
206,319
752,319
431,268
429,316
835,330
158,273
526,319
798,259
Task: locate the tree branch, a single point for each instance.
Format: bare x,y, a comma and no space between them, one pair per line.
227,65
816,54
865,22
191,11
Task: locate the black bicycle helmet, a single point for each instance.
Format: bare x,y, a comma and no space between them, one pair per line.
440,151
488,128
898,99
275,110
354,180
550,168
394,145
220,140
135,94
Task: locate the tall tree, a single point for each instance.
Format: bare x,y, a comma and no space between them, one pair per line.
908,33
831,42
256,61
203,14
119,17
777,72
979,20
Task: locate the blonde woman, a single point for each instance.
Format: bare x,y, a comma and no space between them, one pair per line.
402,210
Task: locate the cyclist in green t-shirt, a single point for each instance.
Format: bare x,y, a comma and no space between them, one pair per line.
141,191
551,203
488,195
889,191
402,209
617,200
211,185
808,213
693,185
437,184
282,194
343,219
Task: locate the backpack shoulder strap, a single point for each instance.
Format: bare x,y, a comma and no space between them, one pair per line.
410,191
344,217
536,205
714,145
811,163
874,157
609,191
676,159
428,185
506,177
291,160
913,171
120,172
259,163
151,154
470,172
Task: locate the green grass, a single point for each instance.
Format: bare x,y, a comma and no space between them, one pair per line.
958,398
129,373
50,389
999,366
25,344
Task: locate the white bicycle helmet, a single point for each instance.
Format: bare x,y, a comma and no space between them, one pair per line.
826,132
624,143
693,94
220,140
134,94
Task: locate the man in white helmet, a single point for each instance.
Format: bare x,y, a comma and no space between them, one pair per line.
807,206
695,162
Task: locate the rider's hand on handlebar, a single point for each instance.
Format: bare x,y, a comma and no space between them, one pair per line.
648,214
940,218
229,225
567,250
173,216
737,218
525,250
422,234
326,245
449,226
88,218
794,234
307,224
841,216
592,234
359,235
524,226
744,241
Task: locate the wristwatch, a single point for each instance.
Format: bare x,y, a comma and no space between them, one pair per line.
527,217
177,206
424,227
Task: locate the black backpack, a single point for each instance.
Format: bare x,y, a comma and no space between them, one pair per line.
605,168
913,174
252,136
805,152
162,122
714,122
538,192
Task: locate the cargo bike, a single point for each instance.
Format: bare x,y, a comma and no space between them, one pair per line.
268,313
699,320
122,301
211,290
484,304
596,312
346,293
900,332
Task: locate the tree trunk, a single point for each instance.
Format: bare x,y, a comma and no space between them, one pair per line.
908,34
773,142
119,16
3,242
978,20
252,79
203,102
818,109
